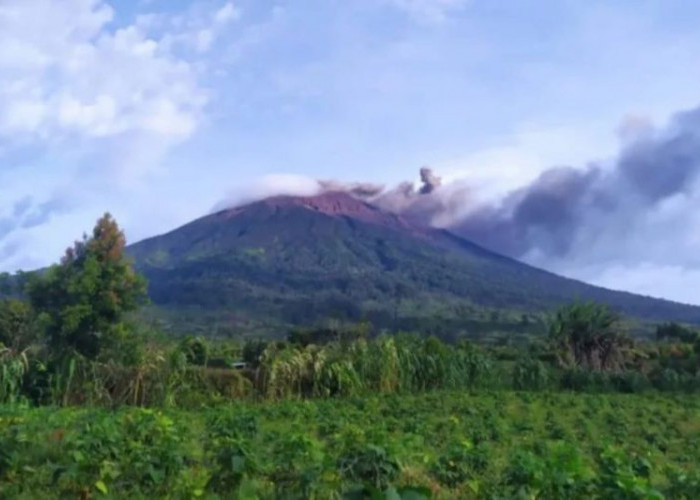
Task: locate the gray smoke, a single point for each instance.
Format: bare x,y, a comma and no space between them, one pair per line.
358,189
430,204
567,207
422,204
430,181
596,209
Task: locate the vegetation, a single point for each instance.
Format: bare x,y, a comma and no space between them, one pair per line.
484,445
270,266
82,301
93,404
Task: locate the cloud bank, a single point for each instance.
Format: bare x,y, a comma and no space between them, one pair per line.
91,105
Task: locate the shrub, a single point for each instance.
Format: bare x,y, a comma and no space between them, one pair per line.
460,463
530,375
371,467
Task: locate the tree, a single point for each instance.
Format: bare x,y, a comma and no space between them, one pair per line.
17,330
83,299
588,335
5,284
674,331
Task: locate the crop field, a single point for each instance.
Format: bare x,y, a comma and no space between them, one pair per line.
441,444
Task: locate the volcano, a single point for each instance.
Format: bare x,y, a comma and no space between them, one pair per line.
295,260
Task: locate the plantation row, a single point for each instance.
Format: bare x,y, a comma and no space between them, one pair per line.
439,445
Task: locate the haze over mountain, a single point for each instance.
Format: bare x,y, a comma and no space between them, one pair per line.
296,259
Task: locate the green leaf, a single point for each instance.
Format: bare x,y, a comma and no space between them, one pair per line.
101,487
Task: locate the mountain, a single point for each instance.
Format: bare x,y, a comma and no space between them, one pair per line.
296,260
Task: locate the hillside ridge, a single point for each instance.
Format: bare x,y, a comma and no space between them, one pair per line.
301,258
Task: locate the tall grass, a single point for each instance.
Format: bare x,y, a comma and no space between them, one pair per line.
13,367
386,365
165,377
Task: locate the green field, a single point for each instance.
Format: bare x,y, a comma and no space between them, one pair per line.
439,444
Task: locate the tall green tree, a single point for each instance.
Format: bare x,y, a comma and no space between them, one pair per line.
82,300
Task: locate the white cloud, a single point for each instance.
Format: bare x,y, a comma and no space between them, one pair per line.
65,70
269,185
430,10
94,108
227,13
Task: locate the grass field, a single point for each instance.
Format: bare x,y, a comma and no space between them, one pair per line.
439,444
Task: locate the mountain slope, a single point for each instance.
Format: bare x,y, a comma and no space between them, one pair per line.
299,259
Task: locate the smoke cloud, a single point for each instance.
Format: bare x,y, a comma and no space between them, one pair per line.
567,208
622,211
631,222
430,181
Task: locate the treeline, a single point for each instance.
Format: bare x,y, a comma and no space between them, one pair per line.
69,343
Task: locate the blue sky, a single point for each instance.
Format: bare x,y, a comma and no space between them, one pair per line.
157,110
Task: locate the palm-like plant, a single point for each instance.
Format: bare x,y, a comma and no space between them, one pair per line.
588,335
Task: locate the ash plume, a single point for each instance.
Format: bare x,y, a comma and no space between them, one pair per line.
593,208
430,181
623,209
601,211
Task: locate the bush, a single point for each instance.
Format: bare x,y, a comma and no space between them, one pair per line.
666,380
629,382
530,375
624,476
683,485
460,463
372,467
577,379
196,350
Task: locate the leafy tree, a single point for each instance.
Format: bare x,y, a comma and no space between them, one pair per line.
83,299
588,335
5,284
17,329
253,350
676,331
196,350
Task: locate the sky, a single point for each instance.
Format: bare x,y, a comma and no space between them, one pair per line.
157,110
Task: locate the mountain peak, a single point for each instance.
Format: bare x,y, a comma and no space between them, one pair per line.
330,202
299,259
334,204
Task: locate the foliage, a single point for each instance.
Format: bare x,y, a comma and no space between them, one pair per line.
272,265
461,462
610,446
675,331
17,325
530,374
85,297
13,368
588,335
371,467
195,350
